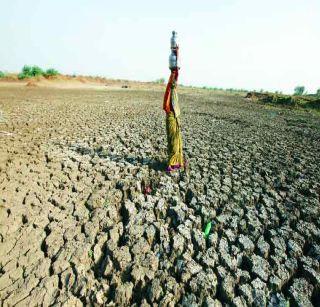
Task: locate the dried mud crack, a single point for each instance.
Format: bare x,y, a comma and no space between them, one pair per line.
78,228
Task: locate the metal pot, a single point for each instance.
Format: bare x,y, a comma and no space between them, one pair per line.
173,60
173,40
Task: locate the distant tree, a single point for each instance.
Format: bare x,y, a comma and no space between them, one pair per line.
299,90
36,71
26,70
2,74
318,92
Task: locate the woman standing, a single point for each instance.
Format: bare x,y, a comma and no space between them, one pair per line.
172,109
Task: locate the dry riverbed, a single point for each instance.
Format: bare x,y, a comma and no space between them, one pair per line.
88,216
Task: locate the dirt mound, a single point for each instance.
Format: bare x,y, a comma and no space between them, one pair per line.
78,82
310,101
32,83
254,95
81,79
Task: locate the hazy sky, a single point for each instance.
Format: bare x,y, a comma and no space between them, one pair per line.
252,44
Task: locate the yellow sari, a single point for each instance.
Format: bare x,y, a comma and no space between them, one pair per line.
175,154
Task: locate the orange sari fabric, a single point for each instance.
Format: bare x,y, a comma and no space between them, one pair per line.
167,96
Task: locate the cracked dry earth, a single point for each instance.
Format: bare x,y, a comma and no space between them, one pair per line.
78,228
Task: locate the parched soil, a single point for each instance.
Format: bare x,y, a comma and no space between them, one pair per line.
89,217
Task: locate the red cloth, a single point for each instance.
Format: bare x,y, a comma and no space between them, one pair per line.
167,95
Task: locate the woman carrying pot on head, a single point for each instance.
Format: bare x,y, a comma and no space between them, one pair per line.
172,109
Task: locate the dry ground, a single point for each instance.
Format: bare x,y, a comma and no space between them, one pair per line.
77,228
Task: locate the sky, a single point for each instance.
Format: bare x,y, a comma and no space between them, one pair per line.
251,44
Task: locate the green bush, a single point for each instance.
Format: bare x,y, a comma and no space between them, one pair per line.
2,74
26,71
22,76
30,71
299,90
318,92
51,72
36,71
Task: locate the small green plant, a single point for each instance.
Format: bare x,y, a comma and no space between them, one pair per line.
90,253
2,74
299,90
207,230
